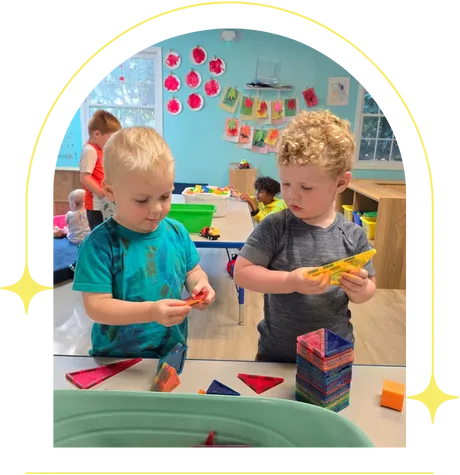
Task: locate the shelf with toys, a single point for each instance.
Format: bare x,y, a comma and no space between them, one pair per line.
384,203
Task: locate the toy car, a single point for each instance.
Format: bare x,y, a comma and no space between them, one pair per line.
210,232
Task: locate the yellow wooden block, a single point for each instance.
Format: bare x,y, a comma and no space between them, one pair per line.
393,395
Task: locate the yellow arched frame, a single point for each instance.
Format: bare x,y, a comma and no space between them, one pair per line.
27,288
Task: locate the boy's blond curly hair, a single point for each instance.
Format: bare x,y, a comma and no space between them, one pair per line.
320,138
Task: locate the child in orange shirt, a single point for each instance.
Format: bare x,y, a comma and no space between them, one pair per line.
100,128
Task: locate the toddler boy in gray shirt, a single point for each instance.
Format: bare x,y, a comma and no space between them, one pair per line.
315,157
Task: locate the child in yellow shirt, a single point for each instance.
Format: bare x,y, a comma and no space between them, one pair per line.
264,202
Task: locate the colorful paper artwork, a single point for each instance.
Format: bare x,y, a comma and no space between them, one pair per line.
337,94
193,79
310,97
232,130
174,106
247,108
217,66
290,108
246,136
258,142
230,99
172,59
277,112
172,83
198,55
195,102
212,88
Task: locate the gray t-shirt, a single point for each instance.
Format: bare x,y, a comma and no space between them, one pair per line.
283,242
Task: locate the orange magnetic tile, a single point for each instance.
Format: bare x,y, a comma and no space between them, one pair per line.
393,395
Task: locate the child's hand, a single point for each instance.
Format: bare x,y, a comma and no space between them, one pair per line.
169,312
245,197
205,287
354,282
297,282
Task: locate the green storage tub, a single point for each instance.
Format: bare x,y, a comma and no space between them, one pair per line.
148,419
193,217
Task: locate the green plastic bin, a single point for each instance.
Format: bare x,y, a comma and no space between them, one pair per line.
149,419
193,217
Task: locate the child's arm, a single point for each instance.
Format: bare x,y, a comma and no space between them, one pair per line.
359,285
197,282
90,183
104,309
87,162
94,279
260,279
251,267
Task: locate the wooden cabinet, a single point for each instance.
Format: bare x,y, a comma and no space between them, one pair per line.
65,181
243,179
388,198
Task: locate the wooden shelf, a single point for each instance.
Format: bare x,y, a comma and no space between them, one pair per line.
388,198
261,88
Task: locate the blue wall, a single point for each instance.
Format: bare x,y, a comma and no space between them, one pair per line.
195,138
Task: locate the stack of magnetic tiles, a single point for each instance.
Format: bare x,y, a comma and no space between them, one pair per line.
324,362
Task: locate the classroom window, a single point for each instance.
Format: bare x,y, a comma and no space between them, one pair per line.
376,144
132,92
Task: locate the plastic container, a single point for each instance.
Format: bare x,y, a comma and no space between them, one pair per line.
348,212
357,217
220,201
193,216
369,226
149,419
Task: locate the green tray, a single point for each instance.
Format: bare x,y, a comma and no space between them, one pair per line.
193,217
148,419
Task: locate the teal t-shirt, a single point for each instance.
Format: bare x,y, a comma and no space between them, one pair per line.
136,267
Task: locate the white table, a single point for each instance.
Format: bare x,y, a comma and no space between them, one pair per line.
235,228
385,427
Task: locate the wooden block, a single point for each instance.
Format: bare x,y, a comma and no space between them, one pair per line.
393,395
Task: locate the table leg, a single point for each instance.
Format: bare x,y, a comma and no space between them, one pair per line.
240,293
241,306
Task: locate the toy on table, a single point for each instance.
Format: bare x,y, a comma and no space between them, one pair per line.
392,395
199,298
175,358
244,164
88,378
217,387
324,370
336,269
166,380
212,190
213,449
260,384
210,232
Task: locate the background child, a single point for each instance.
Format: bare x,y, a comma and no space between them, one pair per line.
131,270
264,202
101,126
76,219
315,157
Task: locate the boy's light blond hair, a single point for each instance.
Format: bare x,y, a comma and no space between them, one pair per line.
77,197
320,138
103,121
135,149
